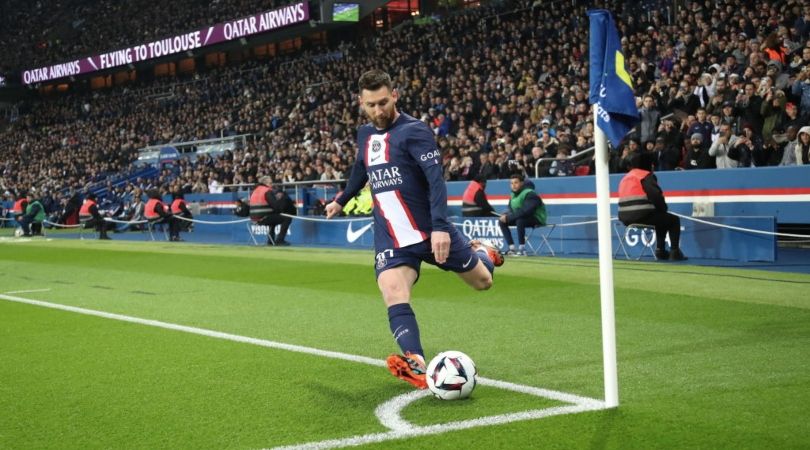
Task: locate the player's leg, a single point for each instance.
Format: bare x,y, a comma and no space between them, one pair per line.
507,235
474,262
521,224
25,224
395,285
479,278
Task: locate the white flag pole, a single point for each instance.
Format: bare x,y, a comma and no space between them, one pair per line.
601,158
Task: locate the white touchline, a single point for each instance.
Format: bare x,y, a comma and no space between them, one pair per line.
389,412
27,291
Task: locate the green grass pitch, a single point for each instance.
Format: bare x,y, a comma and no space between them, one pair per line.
708,357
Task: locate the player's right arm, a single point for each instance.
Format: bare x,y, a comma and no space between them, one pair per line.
357,180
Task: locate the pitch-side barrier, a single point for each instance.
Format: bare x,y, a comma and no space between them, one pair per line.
726,238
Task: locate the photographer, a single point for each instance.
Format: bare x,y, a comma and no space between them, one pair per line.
720,148
746,145
681,97
749,105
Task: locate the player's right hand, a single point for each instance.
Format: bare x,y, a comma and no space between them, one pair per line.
333,209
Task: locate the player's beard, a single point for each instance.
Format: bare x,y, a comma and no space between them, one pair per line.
384,120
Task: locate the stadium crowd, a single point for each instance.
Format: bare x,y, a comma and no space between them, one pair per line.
719,84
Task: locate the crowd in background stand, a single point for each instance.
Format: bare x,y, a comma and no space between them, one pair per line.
501,86
42,33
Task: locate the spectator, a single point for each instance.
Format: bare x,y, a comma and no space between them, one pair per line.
701,125
697,155
799,152
801,89
505,99
526,210
650,117
720,148
562,166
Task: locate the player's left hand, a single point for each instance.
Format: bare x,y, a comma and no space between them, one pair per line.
440,246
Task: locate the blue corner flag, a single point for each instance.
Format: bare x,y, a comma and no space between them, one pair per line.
611,85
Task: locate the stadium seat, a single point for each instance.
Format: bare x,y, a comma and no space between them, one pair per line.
582,170
152,226
253,235
84,229
544,232
646,234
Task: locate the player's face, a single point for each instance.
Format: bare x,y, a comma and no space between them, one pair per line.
516,184
379,106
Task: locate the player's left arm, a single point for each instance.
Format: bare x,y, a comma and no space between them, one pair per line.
422,148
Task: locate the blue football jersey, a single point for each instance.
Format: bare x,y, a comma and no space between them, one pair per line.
402,165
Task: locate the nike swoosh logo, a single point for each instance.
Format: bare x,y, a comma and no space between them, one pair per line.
464,266
374,158
352,235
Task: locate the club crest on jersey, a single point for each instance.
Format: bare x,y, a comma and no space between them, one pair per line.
377,150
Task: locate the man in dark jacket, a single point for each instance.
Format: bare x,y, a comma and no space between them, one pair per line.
697,155
156,213
474,202
282,204
526,210
266,208
641,201
34,214
179,208
90,217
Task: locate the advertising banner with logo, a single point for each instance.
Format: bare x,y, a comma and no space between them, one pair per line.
214,34
698,240
358,233
168,155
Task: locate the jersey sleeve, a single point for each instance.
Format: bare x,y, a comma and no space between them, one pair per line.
422,148
357,179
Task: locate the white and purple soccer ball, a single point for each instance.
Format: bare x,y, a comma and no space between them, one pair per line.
451,375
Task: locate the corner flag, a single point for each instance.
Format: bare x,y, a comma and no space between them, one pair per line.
611,85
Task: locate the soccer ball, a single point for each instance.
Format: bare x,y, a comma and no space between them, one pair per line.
451,375
18,232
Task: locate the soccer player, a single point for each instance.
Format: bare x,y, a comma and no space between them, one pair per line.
397,155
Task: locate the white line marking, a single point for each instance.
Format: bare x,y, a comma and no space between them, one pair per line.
21,240
28,291
200,331
389,416
389,412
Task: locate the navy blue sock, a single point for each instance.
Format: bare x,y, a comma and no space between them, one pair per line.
404,328
484,257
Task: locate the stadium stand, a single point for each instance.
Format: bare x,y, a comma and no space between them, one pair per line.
507,80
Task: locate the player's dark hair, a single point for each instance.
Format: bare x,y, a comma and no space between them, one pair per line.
518,175
373,80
